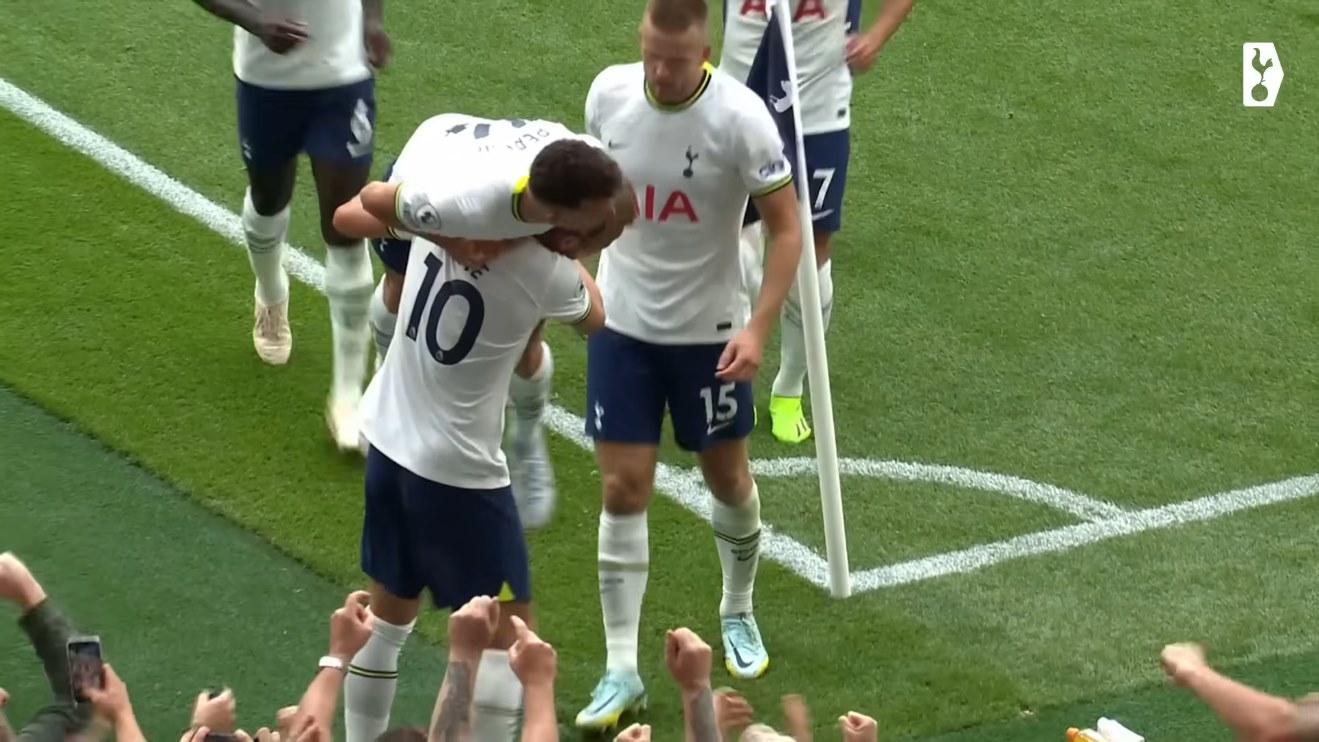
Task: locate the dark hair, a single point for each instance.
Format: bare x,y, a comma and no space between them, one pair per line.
570,171
403,734
676,16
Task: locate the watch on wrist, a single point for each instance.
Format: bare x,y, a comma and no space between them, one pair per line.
334,663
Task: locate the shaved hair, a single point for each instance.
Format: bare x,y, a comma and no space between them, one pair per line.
676,16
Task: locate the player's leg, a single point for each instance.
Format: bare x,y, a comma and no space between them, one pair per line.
395,588
340,144
713,419
529,393
826,159
384,312
470,543
393,256
270,126
624,414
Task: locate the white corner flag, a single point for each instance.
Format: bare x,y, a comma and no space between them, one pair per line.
774,76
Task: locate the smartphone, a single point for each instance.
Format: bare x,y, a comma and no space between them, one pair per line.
84,665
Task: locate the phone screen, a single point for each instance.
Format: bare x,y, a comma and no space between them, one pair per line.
84,666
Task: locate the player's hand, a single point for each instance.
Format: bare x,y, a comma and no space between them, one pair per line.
741,358
472,626
111,699
379,49
798,717
688,657
17,583
858,728
634,733
862,50
220,714
1180,660
4,698
262,735
533,660
280,35
471,253
732,712
350,626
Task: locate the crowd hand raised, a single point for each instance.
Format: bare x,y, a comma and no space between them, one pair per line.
472,626
634,733
688,658
533,660
858,727
732,712
798,717
219,713
350,626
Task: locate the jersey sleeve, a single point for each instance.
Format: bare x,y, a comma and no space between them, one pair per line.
478,209
566,298
761,160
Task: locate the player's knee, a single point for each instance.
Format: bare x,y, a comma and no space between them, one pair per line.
393,291
625,492
267,201
731,487
532,357
727,473
505,633
333,237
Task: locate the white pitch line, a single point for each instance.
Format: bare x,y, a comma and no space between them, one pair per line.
1074,503
685,485
677,484
1070,537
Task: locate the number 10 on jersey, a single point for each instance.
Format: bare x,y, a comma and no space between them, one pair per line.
448,290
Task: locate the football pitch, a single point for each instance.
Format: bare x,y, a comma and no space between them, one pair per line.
1073,357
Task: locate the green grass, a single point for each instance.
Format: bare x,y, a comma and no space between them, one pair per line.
175,593
1069,255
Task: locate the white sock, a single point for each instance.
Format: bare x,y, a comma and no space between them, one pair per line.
737,536
752,255
530,396
498,709
372,678
382,321
265,251
792,347
348,284
624,555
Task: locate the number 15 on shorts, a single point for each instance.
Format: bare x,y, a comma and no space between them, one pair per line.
720,407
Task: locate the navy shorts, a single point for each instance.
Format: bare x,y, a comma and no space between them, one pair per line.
334,125
393,253
827,156
458,543
629,382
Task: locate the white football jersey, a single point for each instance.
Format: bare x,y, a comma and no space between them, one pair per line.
334,53
464,176
674,276
436,406
819,35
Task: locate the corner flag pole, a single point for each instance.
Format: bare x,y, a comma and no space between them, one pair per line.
817,362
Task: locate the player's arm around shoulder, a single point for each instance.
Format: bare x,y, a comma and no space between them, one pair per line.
573,298
354,219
